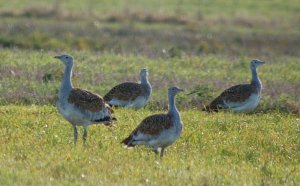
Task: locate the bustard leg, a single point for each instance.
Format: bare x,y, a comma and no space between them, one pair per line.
84,134
162,152
155,151
75,134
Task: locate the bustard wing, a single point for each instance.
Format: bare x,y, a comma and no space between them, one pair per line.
154,124
237,93
125,91
86,100
148,129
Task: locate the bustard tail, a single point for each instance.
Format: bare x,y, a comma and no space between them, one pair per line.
213,107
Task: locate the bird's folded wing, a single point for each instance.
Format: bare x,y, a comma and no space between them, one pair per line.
86,100
238,93
125,91
154,125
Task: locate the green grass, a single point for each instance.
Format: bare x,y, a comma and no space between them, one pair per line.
31,77
194,27
231,36
201,46
37,149
277,8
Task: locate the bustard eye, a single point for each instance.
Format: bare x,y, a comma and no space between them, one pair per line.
67,57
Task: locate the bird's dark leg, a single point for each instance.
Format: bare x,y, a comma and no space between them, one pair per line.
155,151
162,152
84,134
75,134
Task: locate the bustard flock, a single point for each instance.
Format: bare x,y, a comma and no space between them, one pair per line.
83,108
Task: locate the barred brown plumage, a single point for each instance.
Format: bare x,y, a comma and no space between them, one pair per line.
86,100
125,91
240,98
80,107
160,130
130,94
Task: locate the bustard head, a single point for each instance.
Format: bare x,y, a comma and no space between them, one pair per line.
144,72
174,90
65,58
255,63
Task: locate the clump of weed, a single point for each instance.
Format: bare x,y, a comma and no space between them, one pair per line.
283,103
203,47
50,76
174,52
38,11
203,92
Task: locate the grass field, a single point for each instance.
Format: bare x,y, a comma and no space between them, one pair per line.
201,46
215,149
34,77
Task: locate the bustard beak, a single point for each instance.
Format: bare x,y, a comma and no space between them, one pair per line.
57,57
180,90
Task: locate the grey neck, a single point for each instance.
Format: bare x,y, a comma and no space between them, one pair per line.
66,85
146,83
144,80
255,79
173,112
172,106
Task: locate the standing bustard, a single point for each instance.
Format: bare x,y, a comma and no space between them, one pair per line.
240,98
130,94
160,130
80,107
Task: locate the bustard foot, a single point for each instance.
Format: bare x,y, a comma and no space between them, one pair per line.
84,136
75,135
162,150
155,151
108,124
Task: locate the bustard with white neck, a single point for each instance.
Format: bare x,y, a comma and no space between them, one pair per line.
160,130
240,98
78,106
130,94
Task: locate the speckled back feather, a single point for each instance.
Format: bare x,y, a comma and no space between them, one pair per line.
237,93
86,100
154,124
125,91
151,125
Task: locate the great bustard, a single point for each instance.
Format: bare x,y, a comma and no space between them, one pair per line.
130,94
160,130
240,98
80,107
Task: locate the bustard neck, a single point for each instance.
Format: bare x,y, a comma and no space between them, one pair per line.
144,80
172,106
174,113
255,79
66,84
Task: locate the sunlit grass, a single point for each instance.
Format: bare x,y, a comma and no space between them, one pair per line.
201,46
37,148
